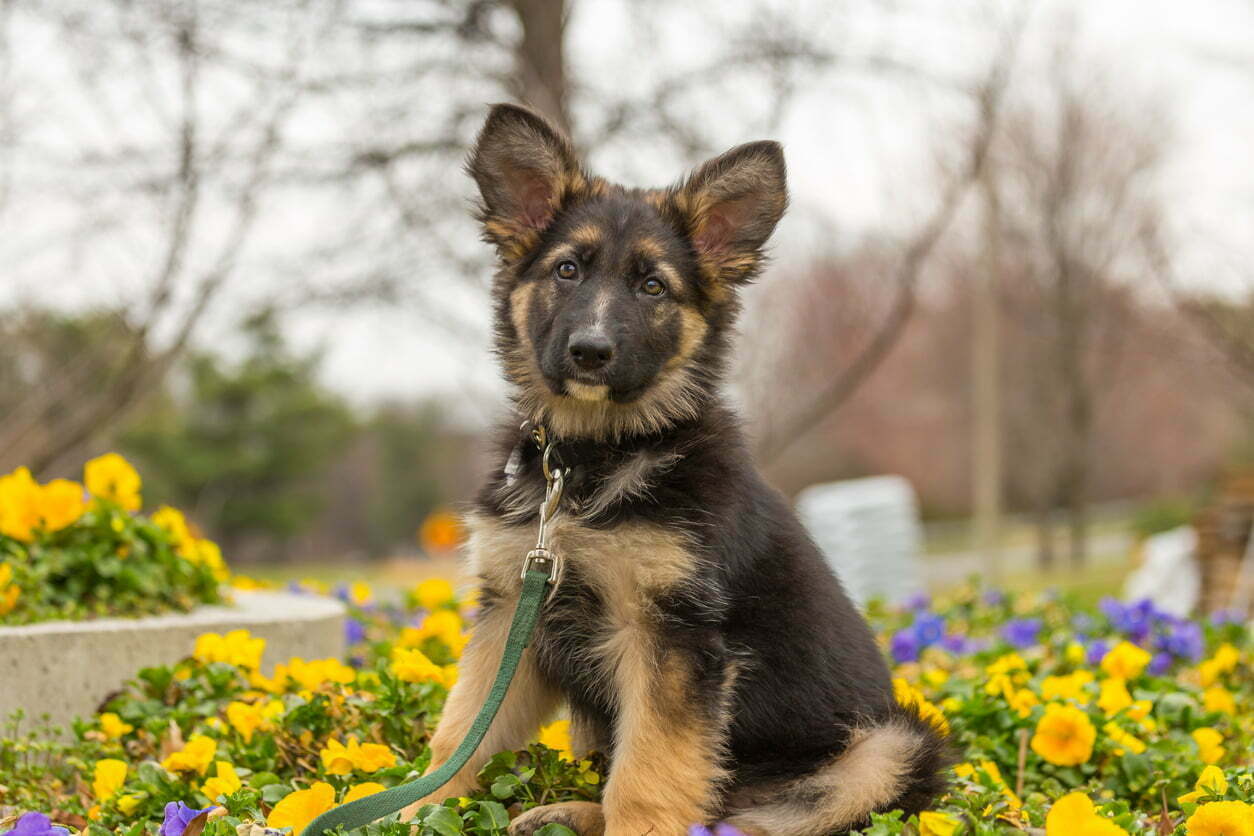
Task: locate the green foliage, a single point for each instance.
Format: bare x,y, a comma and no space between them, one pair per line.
248,444
107,563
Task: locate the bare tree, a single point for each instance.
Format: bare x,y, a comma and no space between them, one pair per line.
1076,174
915,252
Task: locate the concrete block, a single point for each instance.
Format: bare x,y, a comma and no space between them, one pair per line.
67,668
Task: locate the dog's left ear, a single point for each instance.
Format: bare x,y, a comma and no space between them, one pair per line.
526,172
731,205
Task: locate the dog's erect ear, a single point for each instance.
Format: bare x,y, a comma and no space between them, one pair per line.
731,205
526,172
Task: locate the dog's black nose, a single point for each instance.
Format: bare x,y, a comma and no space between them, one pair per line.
590,351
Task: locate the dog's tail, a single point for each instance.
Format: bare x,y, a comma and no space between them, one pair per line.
896,763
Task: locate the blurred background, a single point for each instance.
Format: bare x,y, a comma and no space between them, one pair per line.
236,246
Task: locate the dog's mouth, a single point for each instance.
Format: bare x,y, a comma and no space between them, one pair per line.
593,388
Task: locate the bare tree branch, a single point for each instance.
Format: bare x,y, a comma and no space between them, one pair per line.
989,98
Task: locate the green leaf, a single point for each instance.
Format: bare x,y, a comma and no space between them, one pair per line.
492,816
444,821
555,829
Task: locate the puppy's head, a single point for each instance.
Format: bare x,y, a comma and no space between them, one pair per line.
613,304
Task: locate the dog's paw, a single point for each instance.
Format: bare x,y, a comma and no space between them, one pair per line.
583,817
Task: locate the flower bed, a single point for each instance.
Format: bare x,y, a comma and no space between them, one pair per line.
1119,721
71,551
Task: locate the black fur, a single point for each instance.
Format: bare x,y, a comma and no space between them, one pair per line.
763,599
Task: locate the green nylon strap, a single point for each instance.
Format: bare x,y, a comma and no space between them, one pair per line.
363,811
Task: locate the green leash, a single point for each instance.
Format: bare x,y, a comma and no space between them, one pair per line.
363,811
541,569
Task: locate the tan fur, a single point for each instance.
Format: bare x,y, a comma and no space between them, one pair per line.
667,757
585,392
527,704
650,248
628,564
583,817
588,235
866,777
692,330
632,479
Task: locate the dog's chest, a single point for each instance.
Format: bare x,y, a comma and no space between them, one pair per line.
611,581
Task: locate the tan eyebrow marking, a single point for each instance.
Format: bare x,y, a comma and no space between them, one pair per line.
588,235
563,250
650,248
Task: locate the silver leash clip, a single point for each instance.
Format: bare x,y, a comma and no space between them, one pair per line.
542,557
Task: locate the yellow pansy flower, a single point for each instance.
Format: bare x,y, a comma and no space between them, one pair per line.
1209,745
108,777
1127,741
1218,698
937,824
1075,815
338,759
911,697
414,666
1223,661
314,674
433,593
112,727
19,514
444,624
359,593
1023,701
245,718
1069,687
224,782
1011,664
1114,696
556,736
362,790
1221,818
128,804
1210,782
111,477
1064,735
1125,661
60,504
9,591
297,809
1075,653
237,647
968,771
195,756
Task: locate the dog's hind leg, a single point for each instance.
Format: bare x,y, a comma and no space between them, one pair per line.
895,764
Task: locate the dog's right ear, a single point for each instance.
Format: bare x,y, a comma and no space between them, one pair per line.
526,173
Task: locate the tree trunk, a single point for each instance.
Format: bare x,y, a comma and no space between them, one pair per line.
540,59
986,430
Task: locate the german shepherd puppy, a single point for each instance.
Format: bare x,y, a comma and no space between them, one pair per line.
697,638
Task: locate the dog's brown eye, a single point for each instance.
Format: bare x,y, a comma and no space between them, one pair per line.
653,287
567,270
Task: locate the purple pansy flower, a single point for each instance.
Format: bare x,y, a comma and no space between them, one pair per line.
35,824
1186,641
1160,664
1096,651
919,601
994,597
905,646
177,816
354,631
719,829
957,644
928,628
1022,632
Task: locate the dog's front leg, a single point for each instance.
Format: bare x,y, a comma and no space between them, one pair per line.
669,734
527,703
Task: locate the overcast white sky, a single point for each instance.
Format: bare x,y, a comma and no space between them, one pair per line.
857,153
